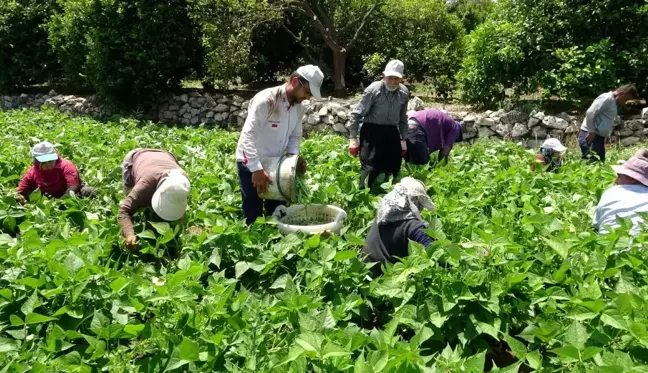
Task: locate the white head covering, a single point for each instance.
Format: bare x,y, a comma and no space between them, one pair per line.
404,202
44,152
170,199
314,76
553,144
394,68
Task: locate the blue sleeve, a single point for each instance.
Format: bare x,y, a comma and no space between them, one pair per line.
421,237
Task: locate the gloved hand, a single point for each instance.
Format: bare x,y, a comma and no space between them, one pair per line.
404,147
353,147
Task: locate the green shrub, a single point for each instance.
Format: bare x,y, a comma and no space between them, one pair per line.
25,56
569,48
69,35
137,49
424,35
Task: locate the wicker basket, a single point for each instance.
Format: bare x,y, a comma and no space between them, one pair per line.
311,219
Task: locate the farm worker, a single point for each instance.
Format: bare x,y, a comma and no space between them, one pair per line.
383,112
431,130
398,220
599,121
628,198
272,128
151,178
52,175
551,154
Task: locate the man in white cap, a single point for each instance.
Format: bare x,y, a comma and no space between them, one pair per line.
628,198
273,128
398,220
551,154
151,178
52,175
383,113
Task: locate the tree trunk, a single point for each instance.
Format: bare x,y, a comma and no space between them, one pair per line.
339,65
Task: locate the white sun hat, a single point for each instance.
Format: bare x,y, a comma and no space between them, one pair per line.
416,188
44,152
553,144
170,199
394,68
314,76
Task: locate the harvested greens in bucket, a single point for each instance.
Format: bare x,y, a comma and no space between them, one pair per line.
303,193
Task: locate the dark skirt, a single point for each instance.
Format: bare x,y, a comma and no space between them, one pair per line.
380,151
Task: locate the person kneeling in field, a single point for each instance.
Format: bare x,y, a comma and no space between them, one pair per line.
628,198
550,155
151,178
431,130
52,175
397,221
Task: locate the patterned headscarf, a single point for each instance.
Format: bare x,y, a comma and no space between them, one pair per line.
553,163
404,202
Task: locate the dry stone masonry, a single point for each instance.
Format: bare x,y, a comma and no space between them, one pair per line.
197,108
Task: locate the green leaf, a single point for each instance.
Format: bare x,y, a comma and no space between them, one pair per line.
134,329
118,284
518,348
15,320
36,318
615,321
73,263
313,241
280,283
241,268
590,352
345,255
576,335
160,227
361,365
147,234
333,350
559,247
31,303
189,350
310,342
475,363
215,257
7,345
569,352
534,359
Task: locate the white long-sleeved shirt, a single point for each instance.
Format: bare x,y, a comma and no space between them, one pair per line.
601,115
624,201
272,127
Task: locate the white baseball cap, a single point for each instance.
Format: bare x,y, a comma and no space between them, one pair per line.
314,76
553,144
416,188
44,152
394,68
170,199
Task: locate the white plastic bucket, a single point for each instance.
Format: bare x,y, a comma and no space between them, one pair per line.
299,218
283,173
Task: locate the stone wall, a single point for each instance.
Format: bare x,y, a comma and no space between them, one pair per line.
197,108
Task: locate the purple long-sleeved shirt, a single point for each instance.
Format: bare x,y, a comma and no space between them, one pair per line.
441,129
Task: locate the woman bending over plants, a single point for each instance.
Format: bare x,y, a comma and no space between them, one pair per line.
398,220
551,155
54,176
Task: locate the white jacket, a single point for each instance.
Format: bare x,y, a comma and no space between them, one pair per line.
272,127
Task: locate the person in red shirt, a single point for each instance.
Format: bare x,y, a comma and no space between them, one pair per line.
54,176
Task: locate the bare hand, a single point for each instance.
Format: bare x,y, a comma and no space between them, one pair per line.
590,138
261,180
131,243
21,199
301,165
